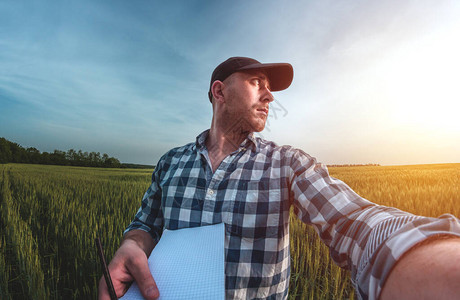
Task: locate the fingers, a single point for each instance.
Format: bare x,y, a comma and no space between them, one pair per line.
121,283
139,268
129,263
119,287
103,291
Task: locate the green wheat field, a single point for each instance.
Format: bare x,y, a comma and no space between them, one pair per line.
50,216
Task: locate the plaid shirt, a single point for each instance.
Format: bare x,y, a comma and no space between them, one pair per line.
252,191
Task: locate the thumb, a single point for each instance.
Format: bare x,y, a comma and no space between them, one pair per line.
139,269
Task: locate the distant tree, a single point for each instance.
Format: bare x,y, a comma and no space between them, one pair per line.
111,162
45,158
5,151
71,155
58,158
85,159
105,157
34,155
19,154
79,158
95,159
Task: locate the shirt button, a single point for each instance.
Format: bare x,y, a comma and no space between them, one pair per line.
210,192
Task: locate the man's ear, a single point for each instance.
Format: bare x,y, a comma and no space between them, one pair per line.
217,90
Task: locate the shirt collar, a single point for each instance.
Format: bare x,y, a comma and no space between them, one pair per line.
201,139
250,141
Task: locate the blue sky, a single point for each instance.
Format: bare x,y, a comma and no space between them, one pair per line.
374,81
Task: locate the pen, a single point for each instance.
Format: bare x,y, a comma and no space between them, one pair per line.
105,270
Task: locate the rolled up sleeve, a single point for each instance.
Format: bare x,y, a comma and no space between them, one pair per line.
149,217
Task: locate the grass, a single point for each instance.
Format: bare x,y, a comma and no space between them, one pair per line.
50,215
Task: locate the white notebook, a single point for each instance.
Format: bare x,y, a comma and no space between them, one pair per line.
188,263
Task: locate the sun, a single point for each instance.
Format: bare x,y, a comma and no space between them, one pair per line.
422,82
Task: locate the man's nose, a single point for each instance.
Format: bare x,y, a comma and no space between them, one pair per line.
267,95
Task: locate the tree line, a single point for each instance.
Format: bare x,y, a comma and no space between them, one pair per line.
11,152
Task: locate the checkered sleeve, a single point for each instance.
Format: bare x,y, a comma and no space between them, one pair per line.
363,237
149,217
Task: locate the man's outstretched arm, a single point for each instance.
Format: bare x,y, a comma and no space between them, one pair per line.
366,238
130,263
430,270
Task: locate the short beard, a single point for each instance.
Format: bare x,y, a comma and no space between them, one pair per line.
238,129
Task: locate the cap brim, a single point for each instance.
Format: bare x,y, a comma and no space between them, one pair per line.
280,75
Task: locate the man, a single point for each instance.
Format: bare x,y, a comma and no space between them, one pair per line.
230,176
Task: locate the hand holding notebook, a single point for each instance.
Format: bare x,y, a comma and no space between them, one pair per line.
188,263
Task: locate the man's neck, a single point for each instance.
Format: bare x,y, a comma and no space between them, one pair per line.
221,143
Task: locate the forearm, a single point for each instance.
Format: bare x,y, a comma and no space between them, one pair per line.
430,270
142,238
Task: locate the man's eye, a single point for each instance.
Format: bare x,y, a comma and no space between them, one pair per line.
256,81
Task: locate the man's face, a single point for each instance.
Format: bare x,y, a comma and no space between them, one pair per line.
247,96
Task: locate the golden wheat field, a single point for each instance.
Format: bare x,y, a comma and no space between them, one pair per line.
50,216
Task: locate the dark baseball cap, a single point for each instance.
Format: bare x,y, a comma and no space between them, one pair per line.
279,74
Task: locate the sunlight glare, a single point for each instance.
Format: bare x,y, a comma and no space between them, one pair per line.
422,82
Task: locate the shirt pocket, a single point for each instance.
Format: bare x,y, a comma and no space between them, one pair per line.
255,213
